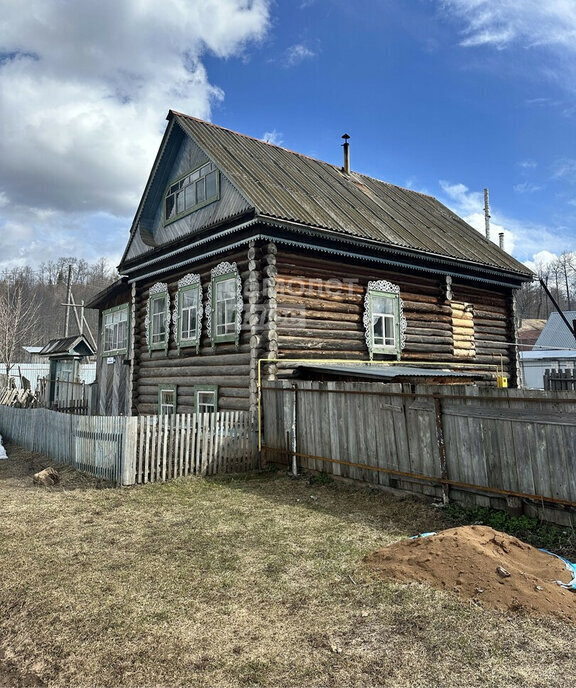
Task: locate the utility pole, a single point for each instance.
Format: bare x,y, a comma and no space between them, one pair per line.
487,213
68,296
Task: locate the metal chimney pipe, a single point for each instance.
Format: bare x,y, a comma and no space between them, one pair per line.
346,147
487,213
501,240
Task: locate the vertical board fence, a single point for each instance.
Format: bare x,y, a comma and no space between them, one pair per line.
557,380
140,449
480,445
96,445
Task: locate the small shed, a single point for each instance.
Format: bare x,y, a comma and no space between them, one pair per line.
65,356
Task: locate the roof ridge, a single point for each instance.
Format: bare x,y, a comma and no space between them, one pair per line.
293,152
253,138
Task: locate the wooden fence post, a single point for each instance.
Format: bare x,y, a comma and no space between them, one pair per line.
441,448
128,466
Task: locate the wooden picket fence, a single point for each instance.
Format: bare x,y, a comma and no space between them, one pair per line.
137,449
173,446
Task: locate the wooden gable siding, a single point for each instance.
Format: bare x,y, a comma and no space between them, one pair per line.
223,364
230,204
321,306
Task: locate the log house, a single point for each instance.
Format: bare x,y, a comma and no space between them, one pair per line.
241,250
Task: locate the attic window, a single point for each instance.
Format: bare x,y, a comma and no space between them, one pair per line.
193,191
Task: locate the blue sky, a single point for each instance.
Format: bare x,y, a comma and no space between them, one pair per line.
443,96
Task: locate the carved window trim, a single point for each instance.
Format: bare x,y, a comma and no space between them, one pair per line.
157,291
222,272
389,290
190,282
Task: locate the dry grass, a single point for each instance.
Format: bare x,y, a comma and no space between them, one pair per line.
237,582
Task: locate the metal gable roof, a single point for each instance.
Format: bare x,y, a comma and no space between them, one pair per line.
289,186
555,334
77,345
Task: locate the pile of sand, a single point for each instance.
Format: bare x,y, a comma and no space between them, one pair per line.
473,561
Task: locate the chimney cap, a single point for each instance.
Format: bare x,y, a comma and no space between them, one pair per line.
345,137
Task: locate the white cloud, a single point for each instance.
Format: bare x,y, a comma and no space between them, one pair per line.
274,137
540,261
297,54
527,187
470,205
565,169
530,22
522,239
84,87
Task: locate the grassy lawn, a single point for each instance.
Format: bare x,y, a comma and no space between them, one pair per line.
254,581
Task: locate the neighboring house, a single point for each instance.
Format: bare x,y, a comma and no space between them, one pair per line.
556,335
529,331
65,356
241,250
32,355
555,349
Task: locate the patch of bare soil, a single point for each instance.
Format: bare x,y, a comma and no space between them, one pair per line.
472,561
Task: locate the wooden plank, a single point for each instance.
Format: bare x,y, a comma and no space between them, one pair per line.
176,444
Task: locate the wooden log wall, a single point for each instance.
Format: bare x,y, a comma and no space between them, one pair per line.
493,326
320,311
224,364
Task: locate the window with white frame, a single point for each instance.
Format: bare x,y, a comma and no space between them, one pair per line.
192,191
115,330
384,320
225,306
225,303
188,311
166,399
206,399
158,317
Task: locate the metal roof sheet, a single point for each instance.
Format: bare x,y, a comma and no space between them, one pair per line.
73,346
388,372
555,333
546,355
289,186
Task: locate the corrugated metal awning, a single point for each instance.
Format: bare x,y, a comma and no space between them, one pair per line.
388,373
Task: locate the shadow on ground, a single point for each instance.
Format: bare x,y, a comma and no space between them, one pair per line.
19,468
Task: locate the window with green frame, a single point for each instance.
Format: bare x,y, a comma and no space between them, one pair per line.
206,398
225,304
188,311
192,191
115,330
383,318
166,399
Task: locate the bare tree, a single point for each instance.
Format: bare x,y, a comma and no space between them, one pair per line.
17,323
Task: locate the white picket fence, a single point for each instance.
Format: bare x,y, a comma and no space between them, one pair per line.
138,449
